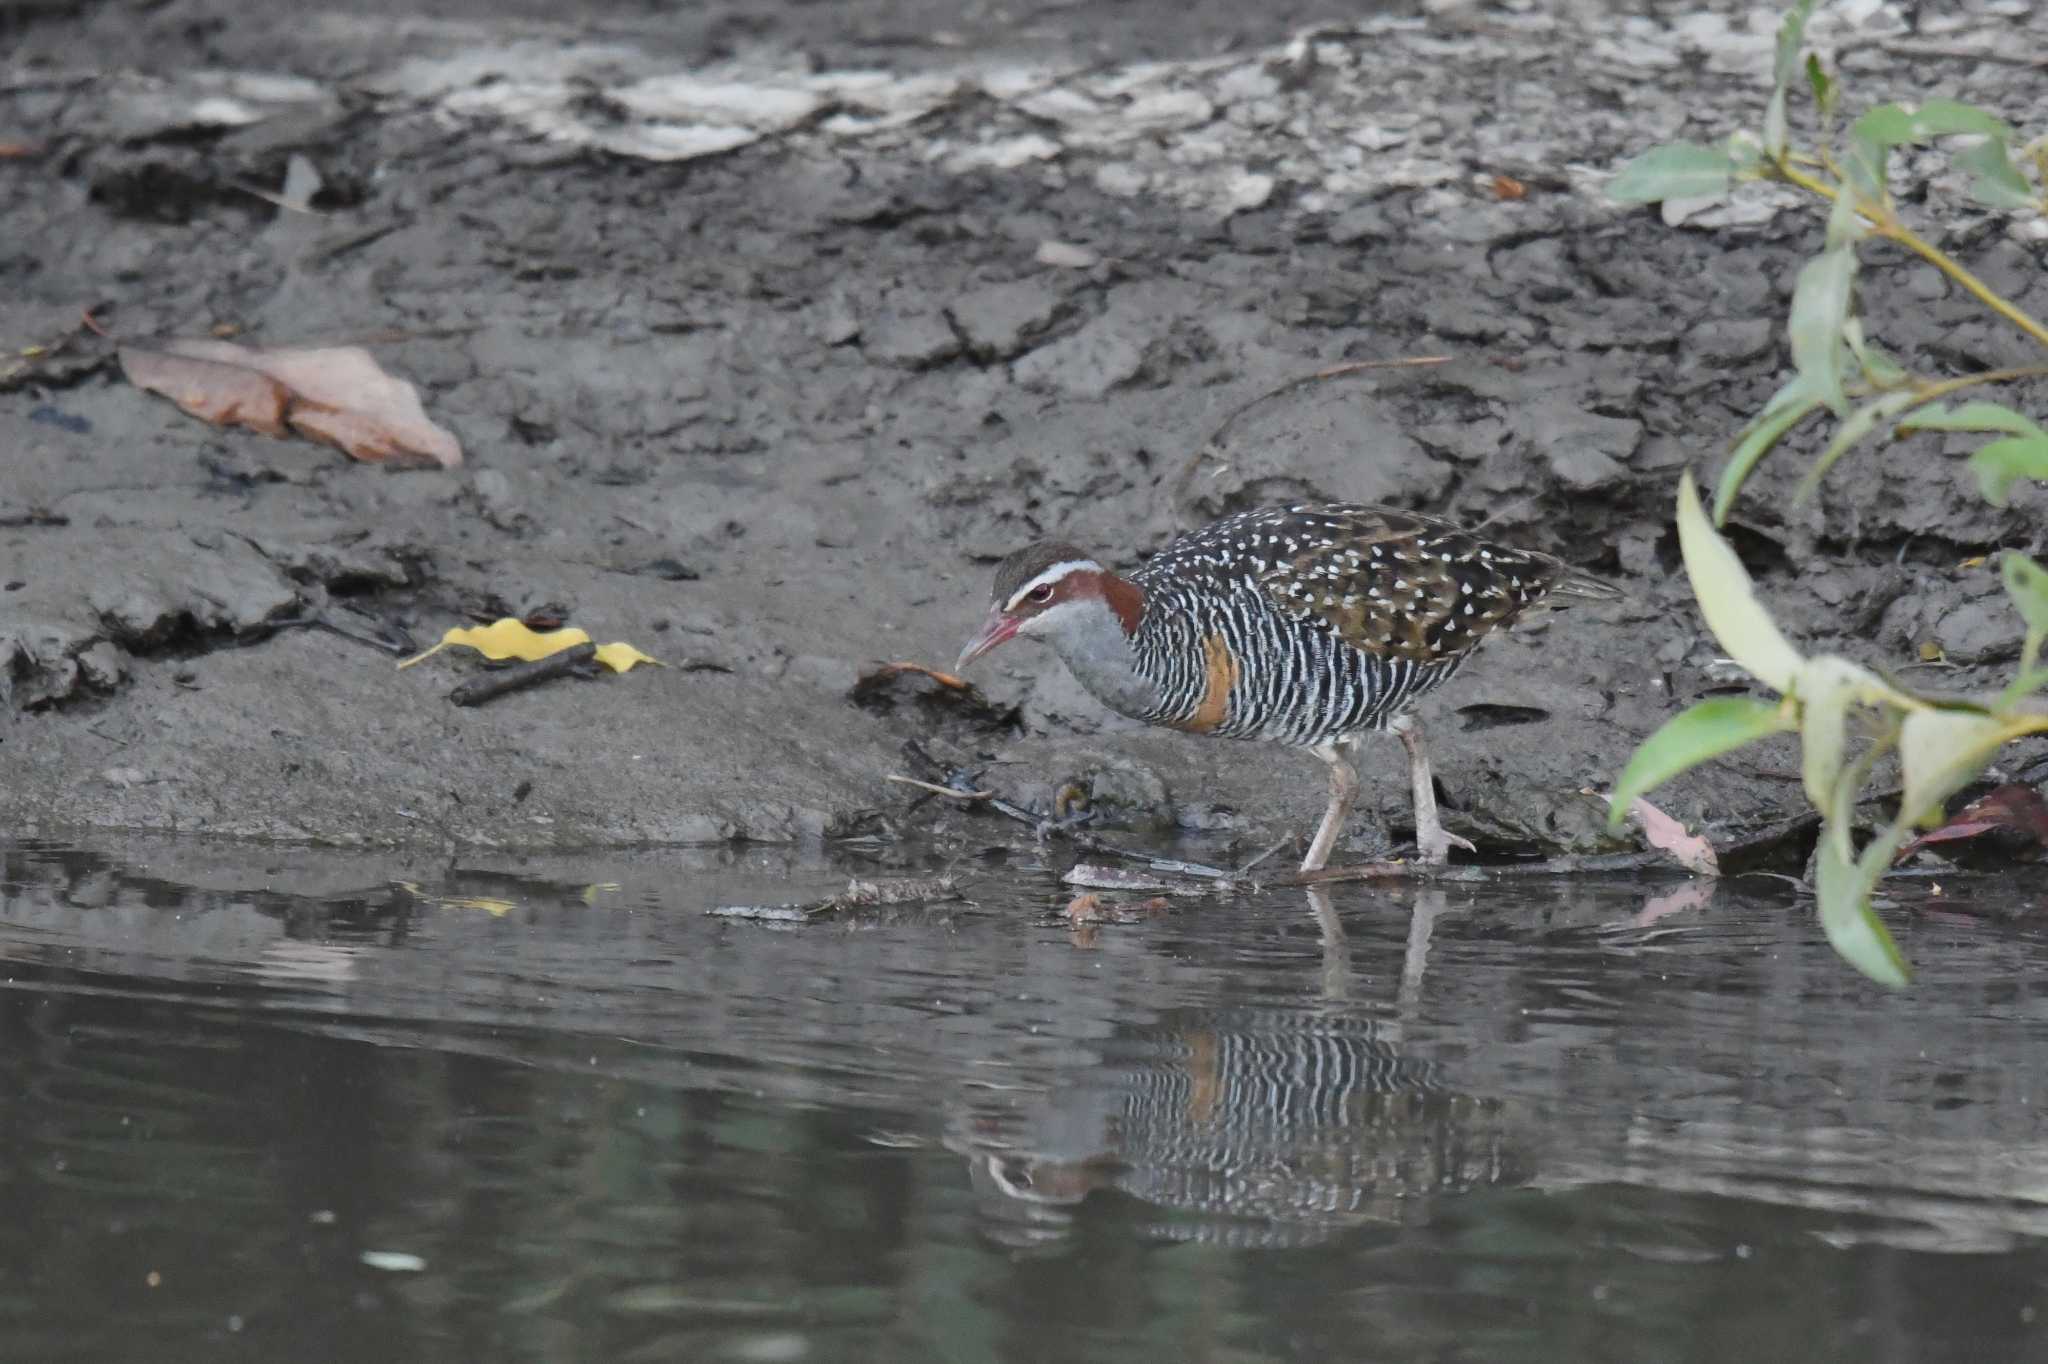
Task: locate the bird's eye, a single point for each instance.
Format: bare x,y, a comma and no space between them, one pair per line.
1041,593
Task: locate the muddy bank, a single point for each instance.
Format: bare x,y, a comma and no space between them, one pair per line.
760,363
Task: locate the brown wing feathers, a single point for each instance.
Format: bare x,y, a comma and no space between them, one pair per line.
1404,586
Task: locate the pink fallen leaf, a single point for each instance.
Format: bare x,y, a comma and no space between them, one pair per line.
1667,835
335,394
2014,806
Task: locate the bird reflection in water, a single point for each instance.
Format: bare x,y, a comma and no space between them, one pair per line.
1249,1126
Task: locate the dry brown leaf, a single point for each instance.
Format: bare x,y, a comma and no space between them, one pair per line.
2015,806
336,394
1084,907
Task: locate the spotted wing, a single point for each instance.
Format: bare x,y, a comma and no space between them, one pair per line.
1403,586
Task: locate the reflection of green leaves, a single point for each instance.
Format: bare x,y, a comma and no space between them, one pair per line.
1791,37
1721,585
1998,464
1698,734
1788,407
1820,305
1681,170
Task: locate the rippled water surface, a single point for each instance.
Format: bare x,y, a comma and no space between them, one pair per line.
276,1105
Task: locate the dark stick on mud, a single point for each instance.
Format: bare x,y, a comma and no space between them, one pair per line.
494,685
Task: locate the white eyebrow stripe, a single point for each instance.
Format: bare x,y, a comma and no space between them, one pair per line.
1050,575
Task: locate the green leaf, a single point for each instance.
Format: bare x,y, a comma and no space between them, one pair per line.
1871,139
1994,181
2002,461
1843,886
1791,38
2026,582
1857,425
1721,586
1880,369
2026,684
1817,79
1679,170
1820,305
1695,735
1872,136
1971,416
1788,407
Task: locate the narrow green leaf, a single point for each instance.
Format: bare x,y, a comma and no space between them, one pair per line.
1858,425
1970,416
1679,170
1846,226
1823,723
2026,582
1994,181
1820,305
1817,80
1728,601
1998,464
1843,887
1791,38
1788,407
1880,369
2025,685
1947,117
1696,735
1871,139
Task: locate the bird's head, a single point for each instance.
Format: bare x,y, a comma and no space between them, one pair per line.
1053,590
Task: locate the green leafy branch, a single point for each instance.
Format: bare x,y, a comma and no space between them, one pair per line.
1837,369
1941,743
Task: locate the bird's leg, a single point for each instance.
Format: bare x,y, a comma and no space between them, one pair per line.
1343,790
1432,840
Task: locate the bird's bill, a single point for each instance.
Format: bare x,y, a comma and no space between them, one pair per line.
997,628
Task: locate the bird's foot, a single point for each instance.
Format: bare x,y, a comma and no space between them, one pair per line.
1434,846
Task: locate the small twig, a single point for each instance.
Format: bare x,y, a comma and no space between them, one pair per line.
1246,868
1212,447
938,790
92,324
493,685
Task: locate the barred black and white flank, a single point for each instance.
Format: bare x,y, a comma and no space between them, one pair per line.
1303,625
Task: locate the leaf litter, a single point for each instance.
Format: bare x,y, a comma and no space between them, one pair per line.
338,395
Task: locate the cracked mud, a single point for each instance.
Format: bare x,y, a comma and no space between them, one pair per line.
767,332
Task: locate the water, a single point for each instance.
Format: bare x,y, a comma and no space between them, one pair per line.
301,1106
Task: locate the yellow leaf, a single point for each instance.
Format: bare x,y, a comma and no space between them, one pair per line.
508,638
1974,561
1930,652
620,656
